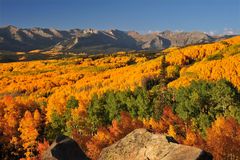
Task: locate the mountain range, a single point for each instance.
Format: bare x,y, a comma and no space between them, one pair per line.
90,40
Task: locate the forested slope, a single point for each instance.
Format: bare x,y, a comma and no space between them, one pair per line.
191,93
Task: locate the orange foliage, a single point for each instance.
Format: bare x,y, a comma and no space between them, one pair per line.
193,138
169,123
42,147
10,115
11,112
119,129
99,141
223,139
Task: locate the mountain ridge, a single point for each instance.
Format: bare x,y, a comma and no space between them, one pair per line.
91,40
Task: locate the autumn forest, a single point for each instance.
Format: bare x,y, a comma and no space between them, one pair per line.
191,93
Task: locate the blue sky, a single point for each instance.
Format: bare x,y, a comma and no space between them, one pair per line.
212,16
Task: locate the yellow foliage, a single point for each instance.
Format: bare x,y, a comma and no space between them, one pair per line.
29,133
37,117
184,55
172,71
228,68
53,81
153,124
172,132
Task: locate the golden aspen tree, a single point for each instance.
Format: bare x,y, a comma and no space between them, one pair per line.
29,133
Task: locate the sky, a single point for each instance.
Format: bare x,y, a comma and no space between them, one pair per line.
211,16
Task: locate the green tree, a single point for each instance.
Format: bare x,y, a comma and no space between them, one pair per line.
142,102
163,72
97,114
203,101
56,127
102,110
72,102
58,122
161,97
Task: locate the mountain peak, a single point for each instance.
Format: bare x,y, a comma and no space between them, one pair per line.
88,40
90,31
11,28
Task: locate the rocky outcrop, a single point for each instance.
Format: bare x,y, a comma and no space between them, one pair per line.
64,148
144,145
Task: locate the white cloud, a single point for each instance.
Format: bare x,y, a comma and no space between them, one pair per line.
211,33
225,31
179,30
150,31
230,31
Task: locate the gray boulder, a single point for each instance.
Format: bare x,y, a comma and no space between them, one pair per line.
144,145
64,148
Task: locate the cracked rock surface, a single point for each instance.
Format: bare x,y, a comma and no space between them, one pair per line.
144,145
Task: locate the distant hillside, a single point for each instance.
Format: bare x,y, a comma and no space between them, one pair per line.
92,41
